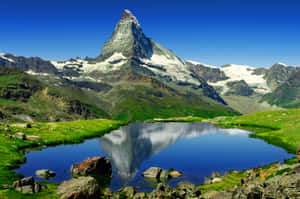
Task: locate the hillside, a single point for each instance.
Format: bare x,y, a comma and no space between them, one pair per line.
23,97
287,95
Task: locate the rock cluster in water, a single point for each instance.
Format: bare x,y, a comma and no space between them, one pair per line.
283,185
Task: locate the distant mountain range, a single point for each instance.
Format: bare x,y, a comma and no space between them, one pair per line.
134,78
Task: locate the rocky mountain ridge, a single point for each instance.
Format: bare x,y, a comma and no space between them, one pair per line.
133,78
134,69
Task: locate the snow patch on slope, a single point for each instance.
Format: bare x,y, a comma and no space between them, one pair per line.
198,63
243,72
112,63
31,72
2,55
171,65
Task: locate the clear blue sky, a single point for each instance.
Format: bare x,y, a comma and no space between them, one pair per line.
216,32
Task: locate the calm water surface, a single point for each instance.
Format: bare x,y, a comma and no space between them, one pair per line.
196,149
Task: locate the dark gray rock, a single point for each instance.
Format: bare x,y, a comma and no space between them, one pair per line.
28,185
239,88
187,190
129,192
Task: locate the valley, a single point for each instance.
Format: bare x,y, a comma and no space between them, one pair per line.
142,106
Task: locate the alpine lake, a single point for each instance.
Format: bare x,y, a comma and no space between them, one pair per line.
195,149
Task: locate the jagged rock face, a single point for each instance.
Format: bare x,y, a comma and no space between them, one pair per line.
286,95
239,88
279,73
128,39
207,73
32,64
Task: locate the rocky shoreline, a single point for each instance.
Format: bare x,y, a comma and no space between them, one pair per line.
269,182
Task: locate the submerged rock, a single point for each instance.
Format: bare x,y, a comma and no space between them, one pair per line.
153,172
175,174
159,173
44,173
92,166
78,188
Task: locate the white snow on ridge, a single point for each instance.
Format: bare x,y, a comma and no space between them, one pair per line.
173,66
105,66
31,72
283,64
2,55
243,72
198,63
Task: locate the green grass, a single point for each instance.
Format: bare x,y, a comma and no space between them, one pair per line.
233,179
280,128
52,134
48,193
8,102
178,119
139,105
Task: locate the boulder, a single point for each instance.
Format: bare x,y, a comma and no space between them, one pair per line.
164,174
217,195
298,153
217,179
33,138
78,188
215,174
129,192
187,190
153,172
164,189
20,135
175,174
92,166
24,182
140,195
44,173
207,180
28,185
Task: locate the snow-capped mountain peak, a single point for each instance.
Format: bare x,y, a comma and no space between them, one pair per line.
128,16
280,63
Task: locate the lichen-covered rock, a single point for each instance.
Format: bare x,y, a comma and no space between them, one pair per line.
78,188
92,166
187,190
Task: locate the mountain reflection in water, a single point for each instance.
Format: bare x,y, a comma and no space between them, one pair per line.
129,146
